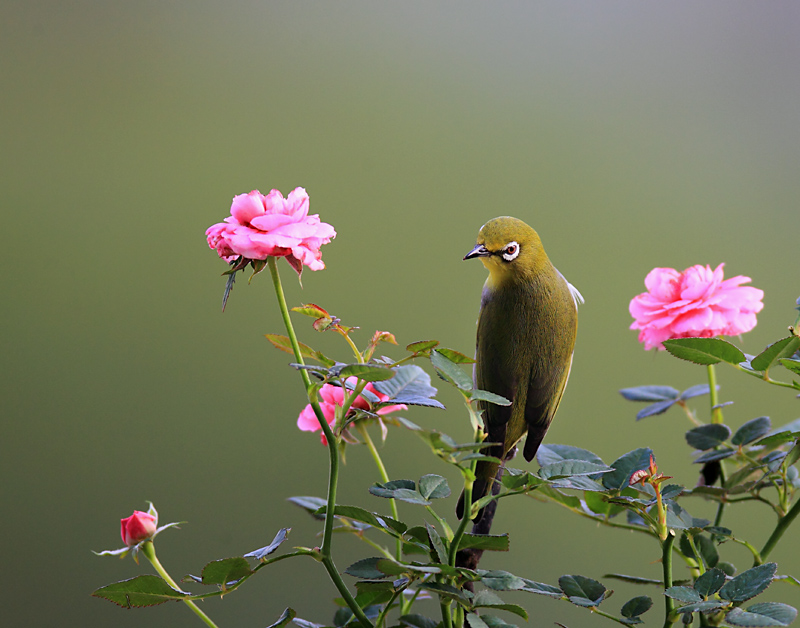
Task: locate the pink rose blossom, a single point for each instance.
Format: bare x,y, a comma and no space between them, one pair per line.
139,527
694,303
332,396
271,226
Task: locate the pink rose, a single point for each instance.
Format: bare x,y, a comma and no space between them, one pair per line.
271,226
332,396
694,303
139,527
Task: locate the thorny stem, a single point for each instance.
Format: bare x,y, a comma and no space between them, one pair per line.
783,524
149,550
333,477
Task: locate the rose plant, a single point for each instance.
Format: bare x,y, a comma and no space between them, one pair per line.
682,313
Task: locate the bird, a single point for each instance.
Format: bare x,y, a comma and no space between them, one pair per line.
524,346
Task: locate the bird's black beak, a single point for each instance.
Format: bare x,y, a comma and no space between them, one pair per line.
478,251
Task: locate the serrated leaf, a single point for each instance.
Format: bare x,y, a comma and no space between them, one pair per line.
650,393
631,579
540,588
410,385
791,364
704,350
749,583
582,591
486,542
445,590
764,614
708,436
625,466
710,582
700,607
717,454
550,454
139,592
680,519
450,371
683,594
660,407
436,543
280,537
455,356
404,490
487,599
288,615
671,491
501,580
783,348
422,345
225,572
366,568
304,623
485,395
751,431
636,606
492,622
312,310
567,468
433,486
380,522
366,372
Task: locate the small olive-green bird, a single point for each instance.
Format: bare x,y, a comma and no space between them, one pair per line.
526,335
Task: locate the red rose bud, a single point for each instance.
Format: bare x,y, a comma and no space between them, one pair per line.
139,527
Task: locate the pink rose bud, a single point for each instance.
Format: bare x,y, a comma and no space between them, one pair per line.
139,527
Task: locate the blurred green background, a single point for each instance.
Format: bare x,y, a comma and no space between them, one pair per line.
631,135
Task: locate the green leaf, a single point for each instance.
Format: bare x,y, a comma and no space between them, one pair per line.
550,454
700,607
433,487
310,504
280,537
625,466
657,408
708,436
485,395
704,350
422,346
650,393
366,372
404,490
381,522
636,606
455,356
225,572
632,579
710,582
716,454
139,592
567,468
450,371
445,590
683,594
501,580
487,599
783,348
288,615
752,430
475,621
749,583
696,391
540,588
791,364
678,518
764,614
412,620
493,622
582,591
366,568
411,385
486,542
436,543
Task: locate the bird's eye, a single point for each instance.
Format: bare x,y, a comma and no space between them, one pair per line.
511,251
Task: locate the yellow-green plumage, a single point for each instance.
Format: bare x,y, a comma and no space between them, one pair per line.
526,335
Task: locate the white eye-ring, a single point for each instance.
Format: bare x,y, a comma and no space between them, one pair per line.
511,251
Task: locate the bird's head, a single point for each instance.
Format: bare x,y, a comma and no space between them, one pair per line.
510,249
